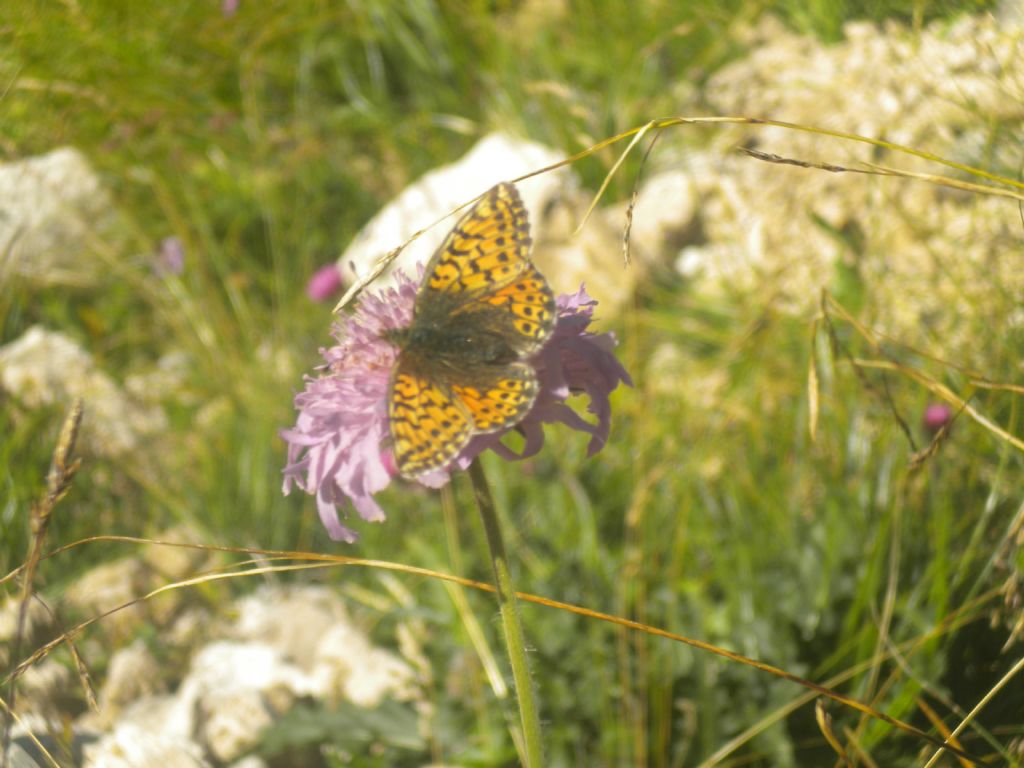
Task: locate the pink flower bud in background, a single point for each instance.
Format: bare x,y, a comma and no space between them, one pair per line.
936,416
170,259
229,8
324,283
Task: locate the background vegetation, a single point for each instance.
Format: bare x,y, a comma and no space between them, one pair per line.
265,138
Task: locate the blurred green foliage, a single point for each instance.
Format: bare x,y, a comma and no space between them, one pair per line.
263,140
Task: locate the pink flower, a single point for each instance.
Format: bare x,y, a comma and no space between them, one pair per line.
936,416
170,258
338,449
324,283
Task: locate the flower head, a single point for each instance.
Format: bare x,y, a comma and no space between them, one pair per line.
338,448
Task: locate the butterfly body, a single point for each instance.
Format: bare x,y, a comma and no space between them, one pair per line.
481,311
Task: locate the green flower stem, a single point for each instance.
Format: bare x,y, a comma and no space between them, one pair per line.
509,617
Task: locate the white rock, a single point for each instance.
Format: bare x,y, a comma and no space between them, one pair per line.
257,666
1010,12
931,260
348,667
292,620
130,746
174,715
250,761
691,260
45,367
593,256
665,207
107,586
310,627
189,628
172,563
36,366
236,688
53,208
231,694
231,721
132,673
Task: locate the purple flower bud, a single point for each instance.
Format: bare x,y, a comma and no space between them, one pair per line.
936,416
324,283
229,8
170,258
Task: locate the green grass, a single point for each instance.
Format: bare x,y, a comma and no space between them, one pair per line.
265,140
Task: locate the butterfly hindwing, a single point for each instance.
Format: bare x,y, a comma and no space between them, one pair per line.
428,426
501,398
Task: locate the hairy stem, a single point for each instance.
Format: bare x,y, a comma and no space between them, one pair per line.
514,641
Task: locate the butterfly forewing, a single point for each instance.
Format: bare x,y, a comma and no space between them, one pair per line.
489,246
529,306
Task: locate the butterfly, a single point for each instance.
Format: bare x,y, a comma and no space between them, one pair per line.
481,310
